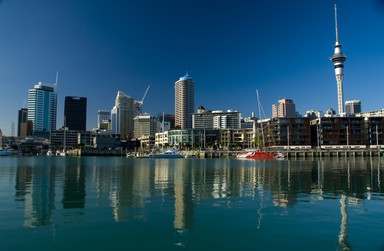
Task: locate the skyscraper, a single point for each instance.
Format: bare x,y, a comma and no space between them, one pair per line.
22,123
338,59
122,116
75,113
42,108
184,102
286,108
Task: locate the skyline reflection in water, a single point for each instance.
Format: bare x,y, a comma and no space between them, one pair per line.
187,194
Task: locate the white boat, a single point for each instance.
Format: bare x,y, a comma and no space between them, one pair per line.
7,152
49,152
61,153
169,154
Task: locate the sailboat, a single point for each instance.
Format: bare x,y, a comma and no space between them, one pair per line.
260,154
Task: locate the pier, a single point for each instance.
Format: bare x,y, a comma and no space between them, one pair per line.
289,154
330,153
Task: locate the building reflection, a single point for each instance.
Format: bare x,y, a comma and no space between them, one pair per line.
127,188
74,185
35,187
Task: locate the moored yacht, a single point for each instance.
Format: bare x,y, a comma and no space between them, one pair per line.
168,154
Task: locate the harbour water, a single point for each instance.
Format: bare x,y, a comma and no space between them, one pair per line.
113,203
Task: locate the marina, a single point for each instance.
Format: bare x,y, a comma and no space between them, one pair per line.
98,203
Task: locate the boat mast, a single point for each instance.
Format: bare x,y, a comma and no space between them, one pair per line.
261,121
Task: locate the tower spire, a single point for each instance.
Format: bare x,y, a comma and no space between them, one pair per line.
336,26
338,59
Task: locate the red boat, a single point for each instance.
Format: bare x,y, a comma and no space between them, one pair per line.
260,155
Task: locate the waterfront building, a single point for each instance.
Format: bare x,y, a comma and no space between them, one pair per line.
285,108
103,120
122,116
106,140
352,107
287,132
57,138
24,128
75,113
184,102
338,60
186,138
42,109
144,125
230,139
348,131
161,139
216,119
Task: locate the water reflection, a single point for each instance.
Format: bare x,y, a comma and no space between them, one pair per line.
130,189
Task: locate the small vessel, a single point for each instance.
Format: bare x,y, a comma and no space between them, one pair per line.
7,152
49,152
260,154
168,154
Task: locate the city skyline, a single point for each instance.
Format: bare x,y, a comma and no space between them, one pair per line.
282,49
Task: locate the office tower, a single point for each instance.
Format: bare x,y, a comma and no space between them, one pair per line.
103,119
22,123
42,108
184,102
145,125
285,108
122,116
338,59
75,113
352,107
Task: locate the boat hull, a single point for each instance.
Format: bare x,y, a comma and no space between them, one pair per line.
260,155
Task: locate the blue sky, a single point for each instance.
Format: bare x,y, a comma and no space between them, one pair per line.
230,49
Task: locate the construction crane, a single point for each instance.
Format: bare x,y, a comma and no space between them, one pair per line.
139,103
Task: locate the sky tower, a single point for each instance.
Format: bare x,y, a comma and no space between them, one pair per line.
338,59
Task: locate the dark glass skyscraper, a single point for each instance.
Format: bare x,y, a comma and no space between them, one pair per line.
75,113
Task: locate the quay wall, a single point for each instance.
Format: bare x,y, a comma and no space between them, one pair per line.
289,154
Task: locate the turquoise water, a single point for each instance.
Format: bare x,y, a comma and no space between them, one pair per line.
110,203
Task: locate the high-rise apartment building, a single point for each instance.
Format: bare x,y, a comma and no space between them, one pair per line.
352,107
122,116
75,113
285,108
42,108
184,102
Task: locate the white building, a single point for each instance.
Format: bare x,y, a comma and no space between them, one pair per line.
217,120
